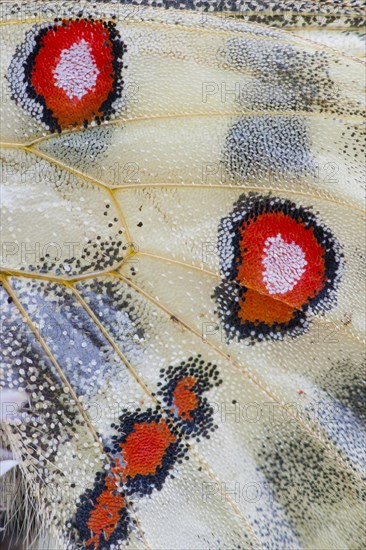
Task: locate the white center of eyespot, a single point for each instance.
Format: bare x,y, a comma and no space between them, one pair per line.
76,72
284,264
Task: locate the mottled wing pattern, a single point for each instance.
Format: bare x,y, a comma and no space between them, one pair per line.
337,23
182,295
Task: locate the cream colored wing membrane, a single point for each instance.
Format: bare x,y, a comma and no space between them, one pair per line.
212,109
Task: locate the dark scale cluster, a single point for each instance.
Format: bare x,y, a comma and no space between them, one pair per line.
81,150
341,408
105,537
98,254
300,474
197,417
277,146
145,449
24,91
286,78
280,13
345,382
231,293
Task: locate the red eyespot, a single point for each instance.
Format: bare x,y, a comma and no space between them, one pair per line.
279,263
69,73
281,257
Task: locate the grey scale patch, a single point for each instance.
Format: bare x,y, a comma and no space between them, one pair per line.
75,341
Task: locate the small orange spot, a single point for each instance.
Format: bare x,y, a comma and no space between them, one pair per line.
184,398
105,516
256,307
144,448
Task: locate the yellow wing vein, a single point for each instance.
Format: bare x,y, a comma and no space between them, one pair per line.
329,448
145,388
340,327
111,190
174,116
65,380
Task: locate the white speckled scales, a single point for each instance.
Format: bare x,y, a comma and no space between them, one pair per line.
111,265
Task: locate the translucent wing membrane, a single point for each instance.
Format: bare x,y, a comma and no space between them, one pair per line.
182,250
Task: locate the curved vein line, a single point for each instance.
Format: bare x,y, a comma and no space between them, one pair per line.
236,187
200,29
9,272
50,356
329,448
93,181
340,327
65,380
299,40
60,280
59,164
112,190
242,34
123,222
178,262
153,397
174,116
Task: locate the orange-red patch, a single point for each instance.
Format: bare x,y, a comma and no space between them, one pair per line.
104,517
184,398
145,447
256,308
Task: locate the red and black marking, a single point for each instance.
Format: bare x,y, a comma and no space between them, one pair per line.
102,519
247,304
145,450
183,395
34,67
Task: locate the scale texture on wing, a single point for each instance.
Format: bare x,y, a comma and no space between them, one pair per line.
183,242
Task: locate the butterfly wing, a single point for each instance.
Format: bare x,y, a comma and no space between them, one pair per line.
181,283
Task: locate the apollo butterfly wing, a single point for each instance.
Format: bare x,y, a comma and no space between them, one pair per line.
182,250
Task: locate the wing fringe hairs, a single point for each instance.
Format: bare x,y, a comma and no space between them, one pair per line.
23,522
